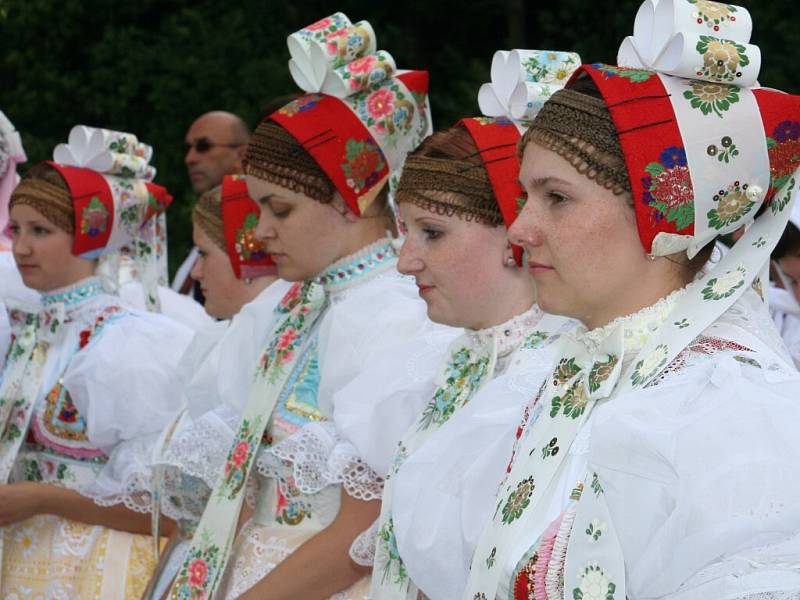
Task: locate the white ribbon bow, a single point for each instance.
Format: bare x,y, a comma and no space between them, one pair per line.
696,40
338,58
105,151
13,141
523,80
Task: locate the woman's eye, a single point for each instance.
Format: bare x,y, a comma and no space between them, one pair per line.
556,198
280,212
432,234
40,231
13,229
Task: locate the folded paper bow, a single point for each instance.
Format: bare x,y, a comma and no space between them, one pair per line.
104,151
523,80
695,39
338,58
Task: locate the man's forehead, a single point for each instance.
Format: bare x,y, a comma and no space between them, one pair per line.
209,126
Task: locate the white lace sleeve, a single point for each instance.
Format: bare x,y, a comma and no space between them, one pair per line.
362,550
316,456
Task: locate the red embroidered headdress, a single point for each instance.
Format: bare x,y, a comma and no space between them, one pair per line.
360,115
239,219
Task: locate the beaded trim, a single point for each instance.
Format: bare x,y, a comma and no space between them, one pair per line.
356,268
74,294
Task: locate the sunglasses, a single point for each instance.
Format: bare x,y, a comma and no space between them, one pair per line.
203,145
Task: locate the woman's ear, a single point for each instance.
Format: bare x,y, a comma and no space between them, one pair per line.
341,207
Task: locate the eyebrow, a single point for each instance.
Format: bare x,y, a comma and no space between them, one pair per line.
539,182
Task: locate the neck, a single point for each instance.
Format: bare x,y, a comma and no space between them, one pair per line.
516,296
629,304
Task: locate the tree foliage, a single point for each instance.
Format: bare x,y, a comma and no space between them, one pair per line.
150,67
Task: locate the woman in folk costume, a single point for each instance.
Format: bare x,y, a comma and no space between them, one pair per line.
11,154
240,284
85,376
233,267
674,407
784,291
320,169
457,196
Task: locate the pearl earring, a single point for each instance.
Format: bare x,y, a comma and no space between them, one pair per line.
510,262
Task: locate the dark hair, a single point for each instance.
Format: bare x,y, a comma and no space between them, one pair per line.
789,244
274,155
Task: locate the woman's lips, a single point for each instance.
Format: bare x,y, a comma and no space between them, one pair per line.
424,289
537,269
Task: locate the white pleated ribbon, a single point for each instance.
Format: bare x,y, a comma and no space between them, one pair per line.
336,57
523,80
702,40
105,151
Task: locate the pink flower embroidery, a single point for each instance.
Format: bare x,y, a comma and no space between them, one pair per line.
321,24
363,65
332,43
292,294
198,572
240,453
286,339
381,103
287,357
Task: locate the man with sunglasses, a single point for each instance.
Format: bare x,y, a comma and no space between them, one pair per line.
213,147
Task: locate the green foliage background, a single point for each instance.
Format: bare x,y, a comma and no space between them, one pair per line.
150,67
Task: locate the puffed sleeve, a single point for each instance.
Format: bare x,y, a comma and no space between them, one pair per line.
125,385
444,492
701,473
379,355
178,307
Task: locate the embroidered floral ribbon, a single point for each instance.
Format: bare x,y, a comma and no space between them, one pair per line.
583,376
125,225
335,57
201,572
11,154
523,80
105,151
33,329
467,368
695,39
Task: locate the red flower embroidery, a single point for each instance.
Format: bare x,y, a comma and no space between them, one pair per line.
240,453
198,572
85,336
286,339
380,103
363,66
321,24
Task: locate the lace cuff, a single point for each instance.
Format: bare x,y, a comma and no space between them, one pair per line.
315,457
362,550
199,446
126,478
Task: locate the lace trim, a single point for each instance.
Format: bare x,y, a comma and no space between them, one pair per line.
316,457
362,550
199,447
509,335
358,267
637,326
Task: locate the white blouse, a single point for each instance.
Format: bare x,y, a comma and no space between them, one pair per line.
100,392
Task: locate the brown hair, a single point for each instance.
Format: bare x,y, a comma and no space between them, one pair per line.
207,214
445,175
576,124
274,155
44,189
